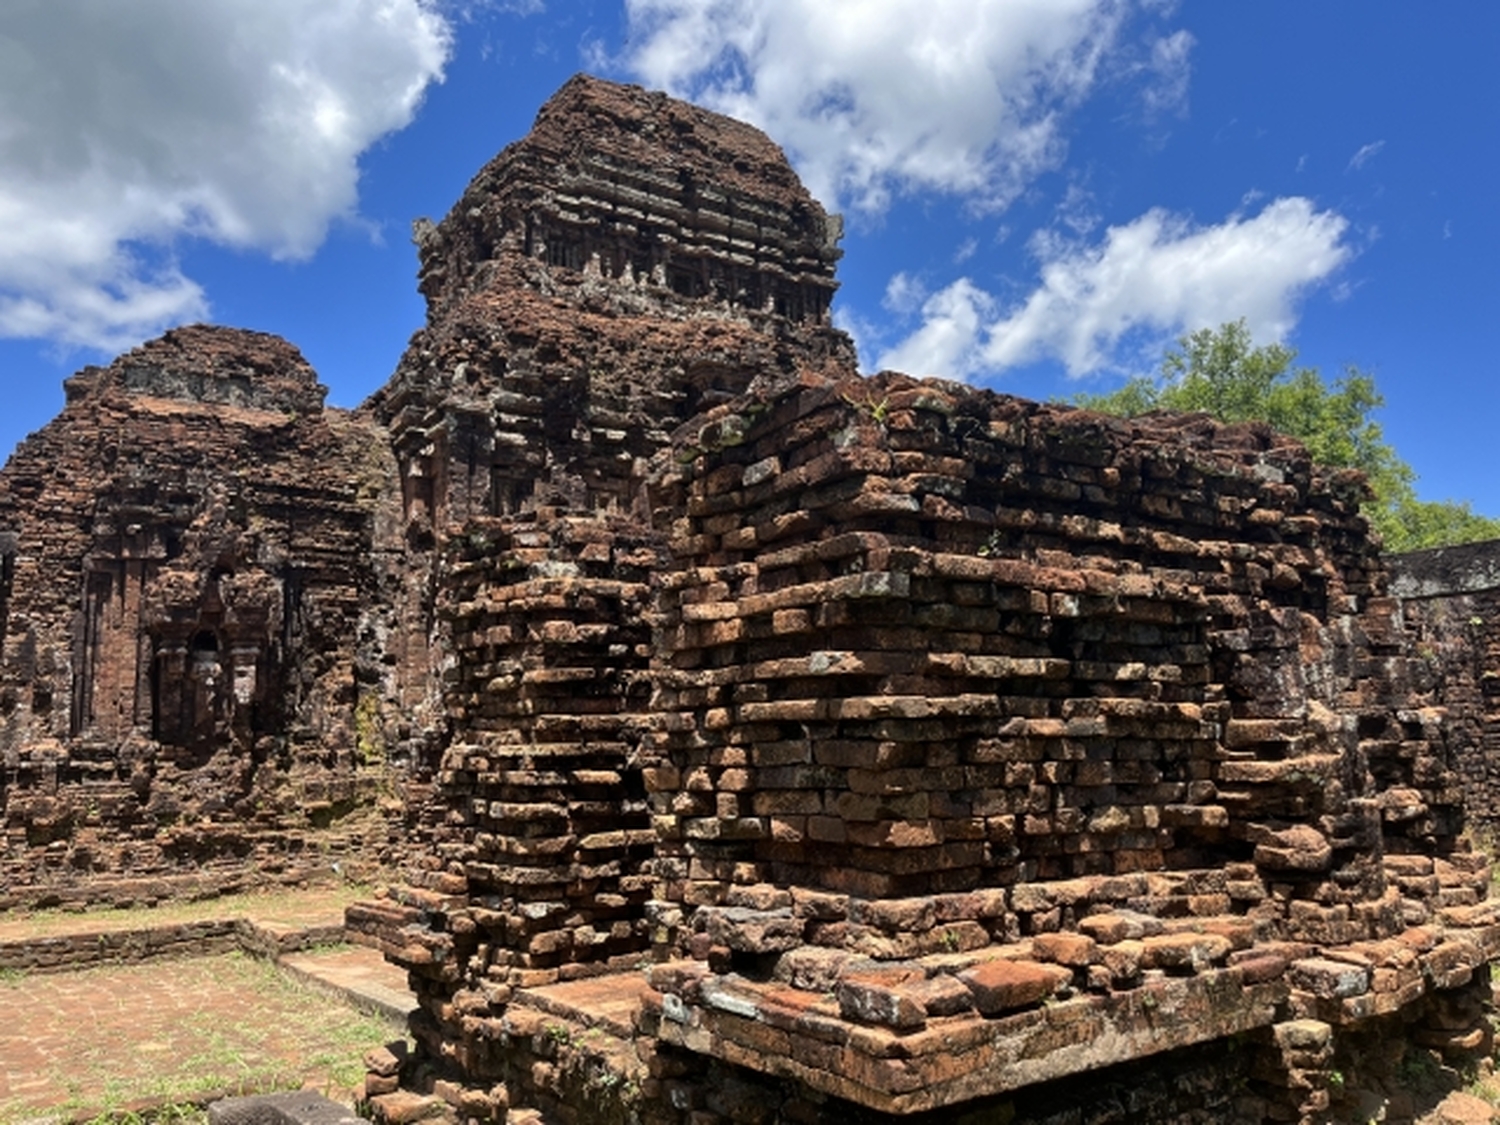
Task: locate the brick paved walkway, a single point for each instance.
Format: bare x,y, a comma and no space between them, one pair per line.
362,976
175,1030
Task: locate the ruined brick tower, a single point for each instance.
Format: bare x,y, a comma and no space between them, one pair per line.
745,740
186,555
629,263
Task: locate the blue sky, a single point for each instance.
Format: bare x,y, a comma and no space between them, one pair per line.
1038,195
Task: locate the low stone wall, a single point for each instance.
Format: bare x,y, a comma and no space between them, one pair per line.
81,950
947,1029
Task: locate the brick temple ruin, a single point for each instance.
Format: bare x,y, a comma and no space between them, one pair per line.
744,739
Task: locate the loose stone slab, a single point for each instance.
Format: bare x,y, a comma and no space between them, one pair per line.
300,1108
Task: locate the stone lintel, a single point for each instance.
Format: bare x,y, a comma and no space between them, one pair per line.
1445,571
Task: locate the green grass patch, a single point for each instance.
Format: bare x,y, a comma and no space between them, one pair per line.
172,1033
164,1115
269,906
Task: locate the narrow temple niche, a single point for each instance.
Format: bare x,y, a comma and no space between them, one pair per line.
419,493
204,648
470,440
205,692
99,588
509,493
186,677
422,494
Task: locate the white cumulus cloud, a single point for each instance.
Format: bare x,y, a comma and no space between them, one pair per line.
869,99
1159,275
904,293
949,341
126,126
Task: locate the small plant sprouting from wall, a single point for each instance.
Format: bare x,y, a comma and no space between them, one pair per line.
875,409
369,735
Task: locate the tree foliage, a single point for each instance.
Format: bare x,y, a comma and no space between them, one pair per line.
1222,372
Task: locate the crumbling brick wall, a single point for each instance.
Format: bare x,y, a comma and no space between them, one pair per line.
993,743
926,639
550,689
1451,600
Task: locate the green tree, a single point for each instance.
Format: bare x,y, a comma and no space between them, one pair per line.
1221,371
